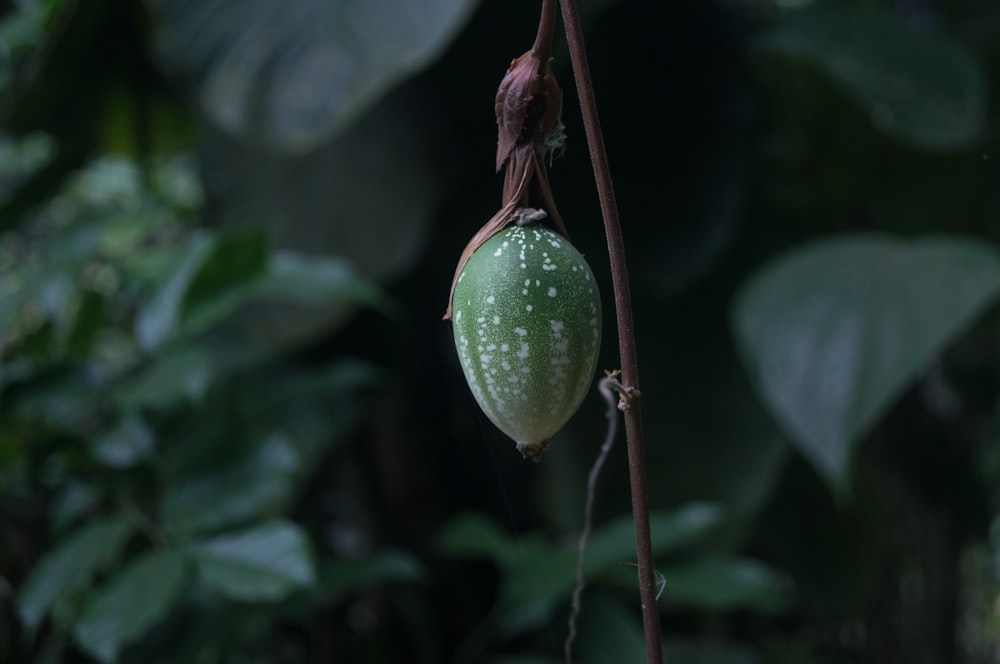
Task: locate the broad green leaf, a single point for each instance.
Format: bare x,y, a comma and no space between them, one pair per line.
321,289
721,583
614,543
212,278
173,375
159,318
475,535
255,483
63,398
70,567
317,280
833,332
920,87
293,73
344,216
340,577
24,31
129,442
538,576
265,563
131,602
225,279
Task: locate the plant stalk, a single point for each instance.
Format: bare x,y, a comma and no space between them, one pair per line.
626,331
542,48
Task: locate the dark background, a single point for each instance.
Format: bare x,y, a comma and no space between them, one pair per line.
232,423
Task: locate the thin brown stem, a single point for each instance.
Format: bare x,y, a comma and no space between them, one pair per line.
626,331
607,387
542,48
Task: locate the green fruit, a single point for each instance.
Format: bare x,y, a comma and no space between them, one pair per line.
527,324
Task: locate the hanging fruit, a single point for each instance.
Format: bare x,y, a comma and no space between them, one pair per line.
527,323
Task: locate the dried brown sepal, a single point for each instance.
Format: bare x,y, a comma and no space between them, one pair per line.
525,169
513,193
528,105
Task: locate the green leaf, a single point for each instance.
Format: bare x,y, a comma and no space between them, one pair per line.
538,576
254,483
131,602
63,398
614,543
70,567
265,563
340,577
157,321
721,583
919,87
475,534
129,442
832,333
225,279
348,219
183,373
294,73
317,280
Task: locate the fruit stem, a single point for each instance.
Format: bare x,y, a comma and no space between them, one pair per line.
542,48
626,331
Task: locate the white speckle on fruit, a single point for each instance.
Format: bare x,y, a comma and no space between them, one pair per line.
520,331
524,266
505,348
523,353
552,291
498,252
524,291
490,299
458,315
528,308
557,326
496,320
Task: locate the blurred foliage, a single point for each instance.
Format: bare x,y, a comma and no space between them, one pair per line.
233,428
